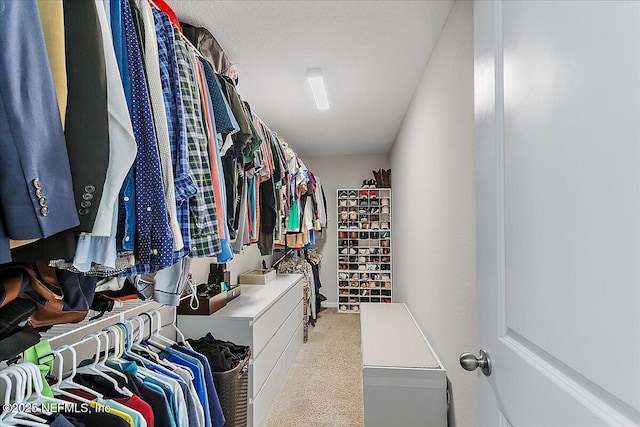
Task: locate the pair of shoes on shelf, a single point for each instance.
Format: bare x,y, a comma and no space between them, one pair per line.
368,183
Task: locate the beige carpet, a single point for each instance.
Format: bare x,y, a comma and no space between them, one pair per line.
324,385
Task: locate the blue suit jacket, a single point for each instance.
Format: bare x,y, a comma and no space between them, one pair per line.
36,194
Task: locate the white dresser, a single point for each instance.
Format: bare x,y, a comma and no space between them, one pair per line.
403,381
268,318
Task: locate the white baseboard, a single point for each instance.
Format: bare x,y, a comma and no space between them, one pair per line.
329,304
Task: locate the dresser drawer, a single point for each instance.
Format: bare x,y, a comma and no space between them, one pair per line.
260,406
266,326
261,366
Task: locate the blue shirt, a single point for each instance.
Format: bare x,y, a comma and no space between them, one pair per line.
125,237
224,119
171,399
208,401
157,388
214,401
154,248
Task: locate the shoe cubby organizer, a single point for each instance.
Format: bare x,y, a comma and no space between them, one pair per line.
364,247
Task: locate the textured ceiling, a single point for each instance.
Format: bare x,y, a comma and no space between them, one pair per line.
373,54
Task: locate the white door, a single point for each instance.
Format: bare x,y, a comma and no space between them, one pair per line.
557,102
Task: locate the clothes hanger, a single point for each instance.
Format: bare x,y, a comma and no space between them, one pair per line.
95,368
152,357
55,388
122,332
102,365
37,384
137,344
154,335
68,381
25,382
129,331
179,333
20,381
7,396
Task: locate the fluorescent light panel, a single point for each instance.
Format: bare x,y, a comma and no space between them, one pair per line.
316,83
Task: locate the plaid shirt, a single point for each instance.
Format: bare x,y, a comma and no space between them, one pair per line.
184,186
205,239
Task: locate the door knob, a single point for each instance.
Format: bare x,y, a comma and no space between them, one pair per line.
470,362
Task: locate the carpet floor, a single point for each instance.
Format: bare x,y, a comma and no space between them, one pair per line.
324,384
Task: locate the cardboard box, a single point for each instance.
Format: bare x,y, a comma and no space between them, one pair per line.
257,277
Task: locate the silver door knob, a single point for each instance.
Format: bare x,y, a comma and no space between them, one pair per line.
470,362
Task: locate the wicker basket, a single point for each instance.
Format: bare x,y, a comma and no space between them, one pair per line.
232,388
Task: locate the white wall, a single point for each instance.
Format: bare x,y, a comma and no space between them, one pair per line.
338,172
434,207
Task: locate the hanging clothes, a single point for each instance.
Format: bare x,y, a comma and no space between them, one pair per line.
173,163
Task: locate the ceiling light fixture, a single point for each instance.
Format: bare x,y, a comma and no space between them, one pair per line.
316,83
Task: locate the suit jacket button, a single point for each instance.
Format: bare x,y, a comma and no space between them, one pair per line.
87,196
43,202
85,203
89,188
83,211
39,193
44,211
36,183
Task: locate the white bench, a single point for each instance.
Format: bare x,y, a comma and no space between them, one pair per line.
404,383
